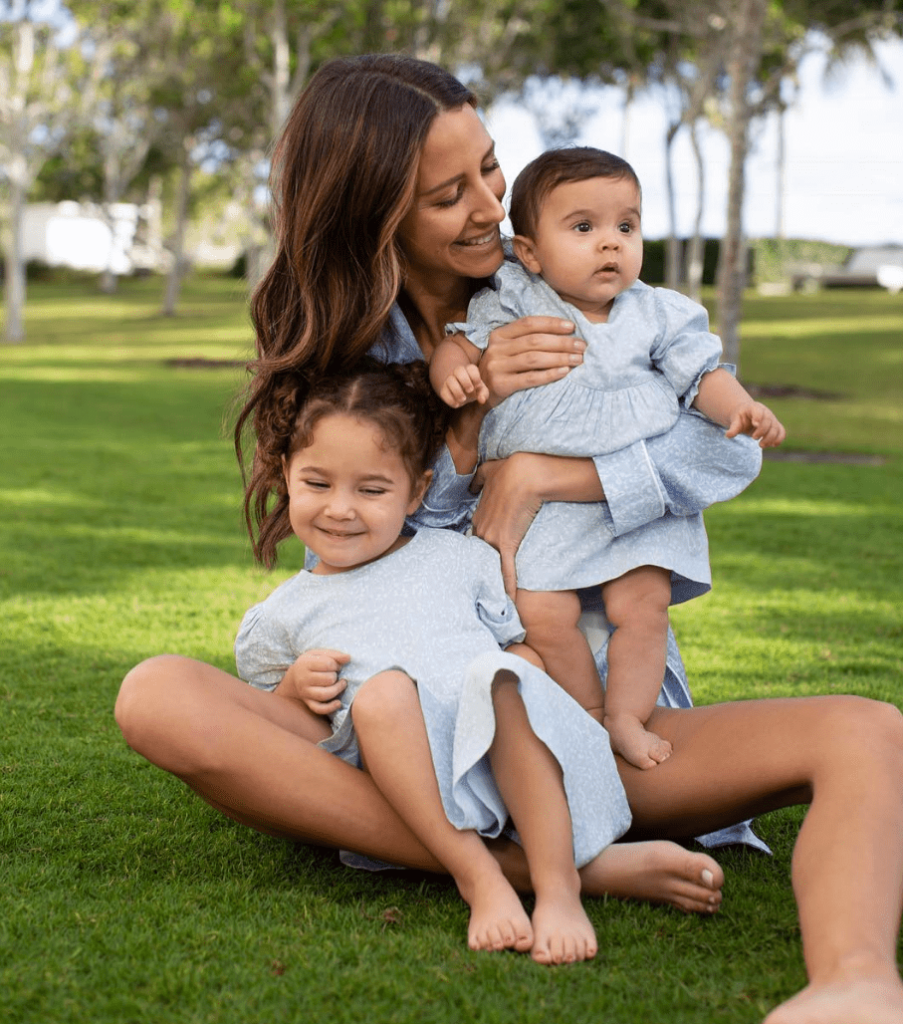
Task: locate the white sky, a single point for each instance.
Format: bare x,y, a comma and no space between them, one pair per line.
844,157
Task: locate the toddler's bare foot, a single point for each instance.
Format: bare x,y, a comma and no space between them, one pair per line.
658,871
872,998
497,916
562,933
634,743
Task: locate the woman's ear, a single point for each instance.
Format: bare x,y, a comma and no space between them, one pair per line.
418,491
525,251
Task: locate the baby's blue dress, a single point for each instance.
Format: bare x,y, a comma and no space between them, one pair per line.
640,370
437,610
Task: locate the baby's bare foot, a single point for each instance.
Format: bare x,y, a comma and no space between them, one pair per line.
634,743
562,933
497,916
658,871
873,999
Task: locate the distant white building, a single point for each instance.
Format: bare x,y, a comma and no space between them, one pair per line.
81,236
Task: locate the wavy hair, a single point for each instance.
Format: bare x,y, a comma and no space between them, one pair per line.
396,398
344,175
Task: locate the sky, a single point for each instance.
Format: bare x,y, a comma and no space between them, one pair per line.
844,156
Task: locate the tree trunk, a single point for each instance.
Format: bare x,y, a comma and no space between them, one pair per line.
14,278
178,268
673,269
744,59
696,249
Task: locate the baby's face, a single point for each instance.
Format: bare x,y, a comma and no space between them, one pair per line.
588,245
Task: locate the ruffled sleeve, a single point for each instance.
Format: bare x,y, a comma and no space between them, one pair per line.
686,349
263,653
485,313
494,606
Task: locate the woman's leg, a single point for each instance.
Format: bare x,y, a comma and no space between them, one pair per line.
395,748
845,754
253,756
637,606
550,620
530,781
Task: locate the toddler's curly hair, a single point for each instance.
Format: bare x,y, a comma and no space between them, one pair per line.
396,398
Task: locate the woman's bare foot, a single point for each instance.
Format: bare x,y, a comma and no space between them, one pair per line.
638,746
872,998
562,933
657,871
497,916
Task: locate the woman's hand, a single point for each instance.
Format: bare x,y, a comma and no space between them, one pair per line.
527,352
508,505
314,680
513,491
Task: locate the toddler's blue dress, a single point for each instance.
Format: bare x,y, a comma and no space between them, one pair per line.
437,610
640,370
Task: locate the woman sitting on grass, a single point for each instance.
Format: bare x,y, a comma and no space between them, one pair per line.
390,205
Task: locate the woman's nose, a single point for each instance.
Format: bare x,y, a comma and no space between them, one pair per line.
488,207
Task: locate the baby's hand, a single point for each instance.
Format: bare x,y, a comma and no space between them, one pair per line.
314,678
759,422
463,386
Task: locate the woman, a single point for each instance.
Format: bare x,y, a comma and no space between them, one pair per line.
390,202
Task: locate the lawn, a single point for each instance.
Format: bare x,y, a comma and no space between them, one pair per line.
123,898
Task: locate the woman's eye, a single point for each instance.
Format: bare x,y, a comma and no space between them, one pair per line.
450,201
489,168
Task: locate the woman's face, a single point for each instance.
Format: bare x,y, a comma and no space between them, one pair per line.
452,228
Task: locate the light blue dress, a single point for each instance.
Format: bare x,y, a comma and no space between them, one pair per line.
640,370
436,609
675,474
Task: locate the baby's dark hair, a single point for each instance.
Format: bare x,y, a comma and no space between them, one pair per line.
397,398
558,167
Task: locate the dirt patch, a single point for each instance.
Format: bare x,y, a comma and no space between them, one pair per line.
205,364
792,391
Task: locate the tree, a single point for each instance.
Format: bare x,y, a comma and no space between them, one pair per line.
37,80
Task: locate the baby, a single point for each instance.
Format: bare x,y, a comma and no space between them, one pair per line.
577,220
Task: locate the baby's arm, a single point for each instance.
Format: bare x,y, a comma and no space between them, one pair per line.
454,373
313,679
725,401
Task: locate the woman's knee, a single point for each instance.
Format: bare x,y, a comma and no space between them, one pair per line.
138,697
861,730
162,715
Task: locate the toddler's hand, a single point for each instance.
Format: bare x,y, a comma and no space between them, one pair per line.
759,422
463,386
314,678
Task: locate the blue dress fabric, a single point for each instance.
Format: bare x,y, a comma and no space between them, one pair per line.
451,649
678,473
640,369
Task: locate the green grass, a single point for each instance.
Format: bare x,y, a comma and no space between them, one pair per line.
123,898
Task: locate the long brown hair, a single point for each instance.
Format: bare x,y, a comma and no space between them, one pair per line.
397,399
344,174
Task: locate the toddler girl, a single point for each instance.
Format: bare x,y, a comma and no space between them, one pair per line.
392,644
576,214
